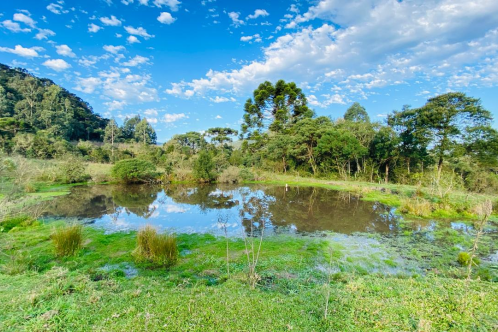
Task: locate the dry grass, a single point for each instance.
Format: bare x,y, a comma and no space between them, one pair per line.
67,240
417,207
159,249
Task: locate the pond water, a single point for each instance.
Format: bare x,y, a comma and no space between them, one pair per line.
216,208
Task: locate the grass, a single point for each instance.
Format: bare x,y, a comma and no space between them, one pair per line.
96,288
158,249
67,240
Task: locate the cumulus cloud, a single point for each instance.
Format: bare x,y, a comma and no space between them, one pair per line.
20,17
114,49
368,44
258,13
44,34
88,85
25,52
65,50
172,4
136,61
93,27
57,64
132,40
138,32
112,21
166,18
57,9
256,38
170,118
14,26
236,21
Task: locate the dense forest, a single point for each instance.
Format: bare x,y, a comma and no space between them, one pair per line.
449,139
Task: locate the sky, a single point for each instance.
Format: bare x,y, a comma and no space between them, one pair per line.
190,65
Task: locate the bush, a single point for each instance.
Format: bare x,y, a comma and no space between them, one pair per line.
204,167
133,171
159,249
15,222
230,175
246,175
464,259
72,170
67,240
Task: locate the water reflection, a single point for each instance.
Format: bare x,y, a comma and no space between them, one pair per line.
191,208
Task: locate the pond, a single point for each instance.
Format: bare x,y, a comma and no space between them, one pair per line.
216,208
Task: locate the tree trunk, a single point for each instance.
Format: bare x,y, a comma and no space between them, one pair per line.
387,172
439,168
408,164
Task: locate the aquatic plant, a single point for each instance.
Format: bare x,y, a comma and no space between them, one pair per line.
67,240
159,249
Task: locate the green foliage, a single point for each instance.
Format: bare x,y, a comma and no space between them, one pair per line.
67,240
159,249
204,167
133,171
464,259
230,175
246,175
356,113
8,224
144,133
73,170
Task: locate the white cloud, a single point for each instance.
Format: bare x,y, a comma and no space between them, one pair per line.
19,17
236,21
136,61
172,4
371,44
151,112
256,38
124,90
132,40
166,18
328,100
115,105
88,85
112,21
57,9
114,49
65,50
93,27
57,64
219,99
44,34
258,13
138,32
14,26
23,51
218,117
170,118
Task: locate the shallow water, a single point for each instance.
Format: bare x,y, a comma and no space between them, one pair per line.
211,208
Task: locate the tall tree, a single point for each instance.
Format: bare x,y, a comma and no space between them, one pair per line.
356,113
384,149
220,135
129,125
112,134
447,120
145,133
275,107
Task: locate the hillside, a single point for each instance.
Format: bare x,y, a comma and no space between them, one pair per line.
31,104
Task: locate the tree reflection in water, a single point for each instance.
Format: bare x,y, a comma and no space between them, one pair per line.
295,209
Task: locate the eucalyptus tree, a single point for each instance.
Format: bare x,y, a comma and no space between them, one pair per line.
385,149
356,113
112,134
145,133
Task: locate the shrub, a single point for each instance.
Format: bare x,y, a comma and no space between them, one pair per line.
204,167
246,175
464,259
67,240
72,170
159,249
230,175
15,222
133,171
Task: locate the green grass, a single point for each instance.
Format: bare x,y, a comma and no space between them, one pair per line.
95,290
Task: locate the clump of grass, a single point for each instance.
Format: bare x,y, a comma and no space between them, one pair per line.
20,262
10,223
416,207
159,249
67,240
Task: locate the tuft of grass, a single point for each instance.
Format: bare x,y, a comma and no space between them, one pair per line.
417,207
159,249
67,240
11,223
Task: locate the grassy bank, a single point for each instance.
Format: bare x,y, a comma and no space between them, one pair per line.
102,288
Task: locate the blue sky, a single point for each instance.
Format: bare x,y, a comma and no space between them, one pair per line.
190,65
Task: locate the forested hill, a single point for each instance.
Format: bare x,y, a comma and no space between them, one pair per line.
31,104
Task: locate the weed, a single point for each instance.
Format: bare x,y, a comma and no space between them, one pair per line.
159,249
418,207
484,211
67,240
